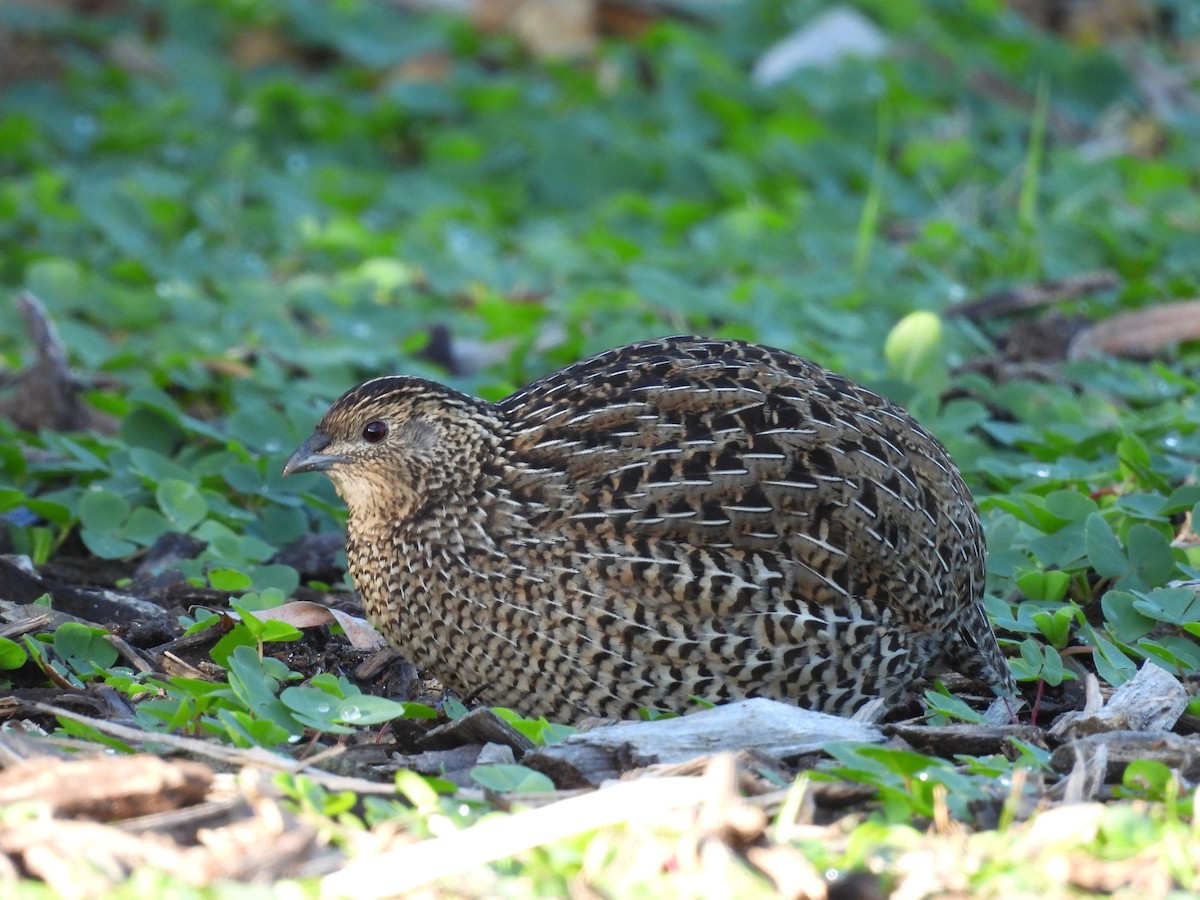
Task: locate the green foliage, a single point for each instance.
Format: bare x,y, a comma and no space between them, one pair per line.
75,653
907,782
454,708
511,779
912,348
255,708
1150,779
309,797
335,706
538,730
941,708
12,656
224,247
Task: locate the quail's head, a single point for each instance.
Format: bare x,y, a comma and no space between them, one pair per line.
395,444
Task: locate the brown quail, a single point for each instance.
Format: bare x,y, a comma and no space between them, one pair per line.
672,519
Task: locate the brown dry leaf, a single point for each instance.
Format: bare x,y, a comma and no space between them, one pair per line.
1140,333
256,47
305,614
433,67
227,367
254,840
549,29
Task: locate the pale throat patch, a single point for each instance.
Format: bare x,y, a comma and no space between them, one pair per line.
372,499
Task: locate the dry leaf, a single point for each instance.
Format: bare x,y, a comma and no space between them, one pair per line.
1140,333
305,614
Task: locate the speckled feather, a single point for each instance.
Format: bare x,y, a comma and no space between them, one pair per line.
676,518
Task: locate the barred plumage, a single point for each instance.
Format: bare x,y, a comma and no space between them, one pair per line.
675,518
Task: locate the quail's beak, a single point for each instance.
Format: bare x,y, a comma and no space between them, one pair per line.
309,456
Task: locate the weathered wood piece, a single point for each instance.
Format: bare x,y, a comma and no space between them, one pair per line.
777,729
1151,701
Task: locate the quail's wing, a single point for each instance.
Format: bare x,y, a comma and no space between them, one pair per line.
729,446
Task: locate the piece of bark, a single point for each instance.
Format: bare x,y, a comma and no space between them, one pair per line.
1032,296
106,787
258,849
777,729
947,741
46,394
182,824
377,662
496,755
479,726
86,859
256,841
1087,776
1123,747
574,766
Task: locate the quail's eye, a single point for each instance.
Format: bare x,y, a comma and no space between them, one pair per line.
374,431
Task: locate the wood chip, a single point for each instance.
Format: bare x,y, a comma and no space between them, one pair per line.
479,726
105,787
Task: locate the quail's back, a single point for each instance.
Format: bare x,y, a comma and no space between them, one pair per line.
672,519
